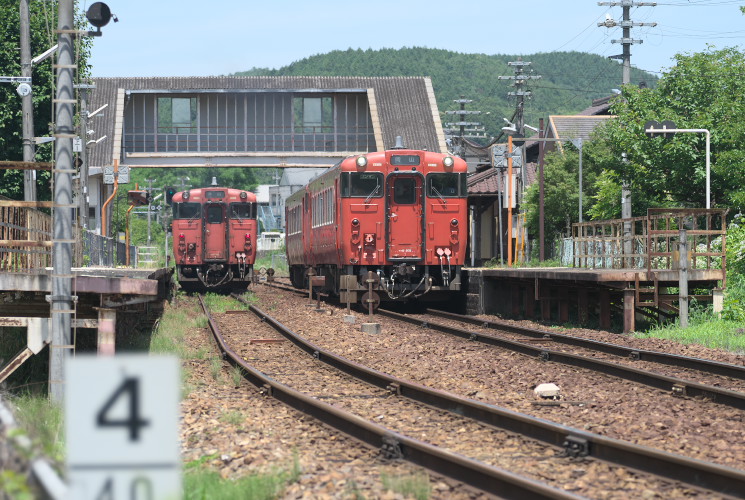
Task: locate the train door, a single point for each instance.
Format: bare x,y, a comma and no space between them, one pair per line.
405,209
215,232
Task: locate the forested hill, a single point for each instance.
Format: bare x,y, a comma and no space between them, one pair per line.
569,80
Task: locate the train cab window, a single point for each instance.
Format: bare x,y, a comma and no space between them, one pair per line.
242,210
362,185
214,214
187,210
446,185
404,191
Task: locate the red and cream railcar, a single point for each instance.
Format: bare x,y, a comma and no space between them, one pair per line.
214,237
401,214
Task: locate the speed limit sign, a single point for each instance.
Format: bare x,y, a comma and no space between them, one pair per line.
122,427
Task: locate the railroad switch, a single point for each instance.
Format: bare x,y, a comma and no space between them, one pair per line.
576,447
391,447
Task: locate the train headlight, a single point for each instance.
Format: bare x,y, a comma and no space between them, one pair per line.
186,195
244,195
454,222
448,162
361,161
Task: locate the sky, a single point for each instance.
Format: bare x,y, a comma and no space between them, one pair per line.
206,38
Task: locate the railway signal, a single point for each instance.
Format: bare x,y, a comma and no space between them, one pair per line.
170,191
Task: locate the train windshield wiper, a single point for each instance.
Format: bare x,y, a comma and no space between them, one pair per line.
374,191
439,195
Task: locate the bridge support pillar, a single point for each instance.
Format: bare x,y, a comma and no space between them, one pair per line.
106,331
629,310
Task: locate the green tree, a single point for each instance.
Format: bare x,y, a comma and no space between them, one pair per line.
43,16
702,91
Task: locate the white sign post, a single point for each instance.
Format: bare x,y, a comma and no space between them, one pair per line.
122,423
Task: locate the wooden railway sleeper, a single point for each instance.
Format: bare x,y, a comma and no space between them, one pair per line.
576,447
391,448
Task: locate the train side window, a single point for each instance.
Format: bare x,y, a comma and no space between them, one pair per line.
242,211
214,214
445,185
187,210
362,185
404,191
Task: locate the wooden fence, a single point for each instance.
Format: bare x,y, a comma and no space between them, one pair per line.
652,242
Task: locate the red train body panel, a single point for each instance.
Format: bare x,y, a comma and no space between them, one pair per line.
401,214
214,237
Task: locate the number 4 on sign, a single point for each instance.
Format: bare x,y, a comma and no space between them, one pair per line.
130,389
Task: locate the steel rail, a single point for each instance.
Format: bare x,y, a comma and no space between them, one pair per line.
676,386
471,472
575,442
702,365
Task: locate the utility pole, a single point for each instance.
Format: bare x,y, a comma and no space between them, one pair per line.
149,212
27,105
83,134
626,24
519,81
61,298
476,132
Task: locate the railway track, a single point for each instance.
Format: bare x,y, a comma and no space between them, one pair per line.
470,472
573,442
585,355
614,351
675,386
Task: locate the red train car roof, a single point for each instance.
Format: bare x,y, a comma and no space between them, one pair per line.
215,193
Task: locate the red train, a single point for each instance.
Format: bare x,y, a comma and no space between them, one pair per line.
214,238
401,214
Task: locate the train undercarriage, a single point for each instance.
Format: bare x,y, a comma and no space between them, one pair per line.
215,276
400,282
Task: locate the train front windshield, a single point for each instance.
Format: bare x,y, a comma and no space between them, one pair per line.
242,210
446,185
187,210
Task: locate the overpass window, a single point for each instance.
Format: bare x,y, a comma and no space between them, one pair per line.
177,115
313,114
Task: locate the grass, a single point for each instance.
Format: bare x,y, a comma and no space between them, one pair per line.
234,418
416,485
43,421
201,483
278,263
703,328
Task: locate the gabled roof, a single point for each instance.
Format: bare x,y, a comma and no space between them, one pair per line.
575,127
489,182
402,106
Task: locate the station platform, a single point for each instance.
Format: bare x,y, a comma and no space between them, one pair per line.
601,297
111,301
